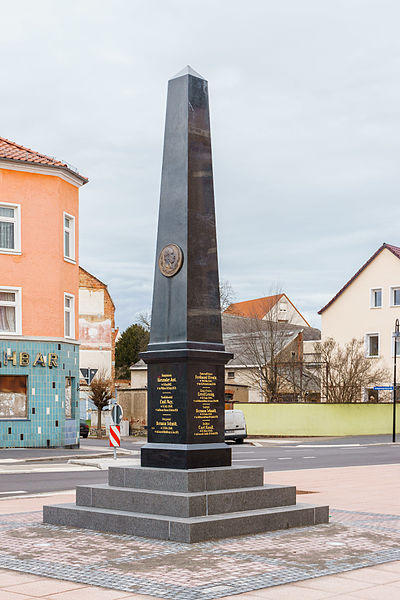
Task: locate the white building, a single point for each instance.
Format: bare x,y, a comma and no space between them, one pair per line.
367,307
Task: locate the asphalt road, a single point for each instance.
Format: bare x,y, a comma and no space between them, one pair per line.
273,455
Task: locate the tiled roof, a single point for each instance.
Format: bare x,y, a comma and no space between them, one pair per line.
394,249
256,309
15,152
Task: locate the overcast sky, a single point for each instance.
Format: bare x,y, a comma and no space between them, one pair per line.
304,101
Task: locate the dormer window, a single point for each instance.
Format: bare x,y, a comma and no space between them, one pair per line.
376,298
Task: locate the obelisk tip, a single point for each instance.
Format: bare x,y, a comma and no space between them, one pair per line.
187,71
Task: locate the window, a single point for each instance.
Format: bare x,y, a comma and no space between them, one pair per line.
69,237
376,298
395,296
13,404
372,345
10,310
9,228
69,316
231,374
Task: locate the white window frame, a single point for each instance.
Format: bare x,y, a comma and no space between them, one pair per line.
17,227
392,289
367,338
71,229
18,310
71,312
371,297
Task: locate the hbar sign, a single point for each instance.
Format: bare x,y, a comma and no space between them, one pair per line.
23,359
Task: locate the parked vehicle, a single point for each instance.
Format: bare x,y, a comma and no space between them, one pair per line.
235,426
84,429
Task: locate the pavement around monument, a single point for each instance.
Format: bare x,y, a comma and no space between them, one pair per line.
350,558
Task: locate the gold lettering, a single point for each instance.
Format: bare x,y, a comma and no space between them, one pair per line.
23,359
12,357
39,360
53,360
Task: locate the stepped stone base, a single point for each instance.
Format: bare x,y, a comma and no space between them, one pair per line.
185,506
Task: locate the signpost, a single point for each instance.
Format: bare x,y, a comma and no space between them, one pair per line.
383,387
396,336
115,429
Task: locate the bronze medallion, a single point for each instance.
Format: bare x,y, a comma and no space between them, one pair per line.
170,260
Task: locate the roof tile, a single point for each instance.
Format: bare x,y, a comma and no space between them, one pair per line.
12,151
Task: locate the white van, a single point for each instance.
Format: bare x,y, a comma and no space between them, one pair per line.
235,426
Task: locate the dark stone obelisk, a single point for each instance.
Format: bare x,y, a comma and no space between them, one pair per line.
186,356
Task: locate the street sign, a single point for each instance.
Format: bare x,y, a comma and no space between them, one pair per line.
383,387
115,436
117,414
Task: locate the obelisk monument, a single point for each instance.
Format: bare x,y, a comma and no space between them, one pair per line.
186,356
186,489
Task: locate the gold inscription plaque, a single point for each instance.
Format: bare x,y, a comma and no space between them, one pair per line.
166,411
205,404
170,260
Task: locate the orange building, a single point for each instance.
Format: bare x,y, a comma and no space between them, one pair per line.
39,287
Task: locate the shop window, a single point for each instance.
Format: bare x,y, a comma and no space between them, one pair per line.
69,237
10,228
13,400
70,398
10,310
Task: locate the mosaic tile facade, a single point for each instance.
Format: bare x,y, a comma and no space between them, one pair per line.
45,423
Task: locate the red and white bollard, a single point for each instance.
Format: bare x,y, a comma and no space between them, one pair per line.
115,438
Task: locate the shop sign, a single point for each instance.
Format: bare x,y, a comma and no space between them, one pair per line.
23,359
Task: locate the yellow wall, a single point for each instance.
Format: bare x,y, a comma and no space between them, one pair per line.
318,419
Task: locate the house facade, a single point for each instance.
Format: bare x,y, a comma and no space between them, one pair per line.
366,308
299,381
276,308
97,334
39,283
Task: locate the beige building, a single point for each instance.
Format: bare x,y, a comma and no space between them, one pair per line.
366,308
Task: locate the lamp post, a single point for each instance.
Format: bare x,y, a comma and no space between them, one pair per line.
396,337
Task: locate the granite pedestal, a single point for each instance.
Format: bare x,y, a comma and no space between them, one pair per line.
185,505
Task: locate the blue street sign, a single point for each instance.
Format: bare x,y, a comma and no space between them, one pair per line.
383,387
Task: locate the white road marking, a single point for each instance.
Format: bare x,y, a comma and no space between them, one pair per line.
14,492
40,494
328,445
286,458
309,457
246,460
53,469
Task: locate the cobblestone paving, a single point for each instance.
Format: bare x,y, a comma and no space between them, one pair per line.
200,571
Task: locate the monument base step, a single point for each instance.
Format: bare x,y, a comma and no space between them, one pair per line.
187,530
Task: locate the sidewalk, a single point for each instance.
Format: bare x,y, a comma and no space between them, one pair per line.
368,536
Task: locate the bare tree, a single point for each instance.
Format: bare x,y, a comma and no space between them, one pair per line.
100,393
346,371
144,319
266,348
226,294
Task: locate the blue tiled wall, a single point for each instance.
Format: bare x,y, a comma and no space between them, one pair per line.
45,423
